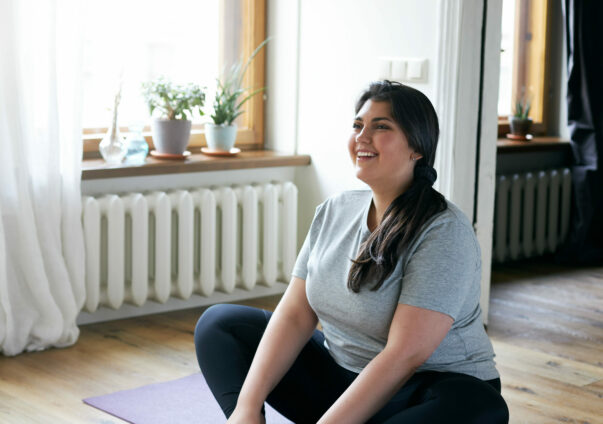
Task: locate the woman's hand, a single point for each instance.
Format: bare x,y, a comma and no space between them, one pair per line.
288,330
246,416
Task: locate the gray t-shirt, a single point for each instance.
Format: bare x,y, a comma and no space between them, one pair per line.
440,271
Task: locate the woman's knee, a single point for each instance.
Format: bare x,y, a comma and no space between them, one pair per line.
472,398
212,319
223,319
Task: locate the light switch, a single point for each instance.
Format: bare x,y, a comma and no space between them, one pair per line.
416,70
403,69
385,68
398,69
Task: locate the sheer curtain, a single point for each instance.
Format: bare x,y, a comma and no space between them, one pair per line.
41,240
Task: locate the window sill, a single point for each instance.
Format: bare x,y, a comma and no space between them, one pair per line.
196,162
246,139
537,128
537,144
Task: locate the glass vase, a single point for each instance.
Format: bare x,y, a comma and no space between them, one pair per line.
113,148
137,145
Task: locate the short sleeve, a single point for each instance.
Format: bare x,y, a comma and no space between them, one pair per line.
443,268
300,269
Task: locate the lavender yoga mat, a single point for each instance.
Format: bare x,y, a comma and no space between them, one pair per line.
186,400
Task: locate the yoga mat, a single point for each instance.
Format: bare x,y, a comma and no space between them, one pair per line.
186,400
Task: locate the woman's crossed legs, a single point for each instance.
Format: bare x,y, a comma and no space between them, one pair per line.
227,337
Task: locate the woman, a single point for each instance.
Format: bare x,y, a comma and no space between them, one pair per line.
393,277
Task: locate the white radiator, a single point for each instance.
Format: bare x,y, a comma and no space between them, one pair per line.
177,244
531,216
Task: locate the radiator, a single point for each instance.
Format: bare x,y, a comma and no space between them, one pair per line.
531,215
156,246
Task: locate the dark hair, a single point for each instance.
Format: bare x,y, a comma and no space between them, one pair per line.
407,214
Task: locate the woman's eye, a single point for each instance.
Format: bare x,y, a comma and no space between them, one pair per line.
356,125
382,127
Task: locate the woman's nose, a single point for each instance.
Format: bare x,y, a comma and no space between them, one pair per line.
363,136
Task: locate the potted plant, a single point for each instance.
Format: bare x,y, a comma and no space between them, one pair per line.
520,122
175,103
221,133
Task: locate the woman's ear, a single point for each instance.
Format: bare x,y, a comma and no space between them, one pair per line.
415,156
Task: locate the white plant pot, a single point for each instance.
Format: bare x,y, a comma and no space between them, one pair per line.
171,135
220,137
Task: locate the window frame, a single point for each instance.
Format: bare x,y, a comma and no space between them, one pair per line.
532,60
250,134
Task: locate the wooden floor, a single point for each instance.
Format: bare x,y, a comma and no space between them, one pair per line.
546,324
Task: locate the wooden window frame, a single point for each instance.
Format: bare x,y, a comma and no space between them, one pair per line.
250,135
532,19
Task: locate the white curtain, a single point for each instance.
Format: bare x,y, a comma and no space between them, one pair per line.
41,239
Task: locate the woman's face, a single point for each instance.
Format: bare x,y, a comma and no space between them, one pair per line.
380,150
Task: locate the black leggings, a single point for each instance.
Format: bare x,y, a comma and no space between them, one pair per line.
227,337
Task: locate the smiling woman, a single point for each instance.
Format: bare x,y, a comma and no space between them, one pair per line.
393,276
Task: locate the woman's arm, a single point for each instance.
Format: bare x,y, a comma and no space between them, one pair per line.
289,329
413,336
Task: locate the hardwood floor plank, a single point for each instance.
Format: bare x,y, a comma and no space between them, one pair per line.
543,326
577,351
531,295
546,365
572,401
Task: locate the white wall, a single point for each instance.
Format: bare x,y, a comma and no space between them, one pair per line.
339,43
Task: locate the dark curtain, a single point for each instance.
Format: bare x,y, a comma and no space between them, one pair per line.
584,38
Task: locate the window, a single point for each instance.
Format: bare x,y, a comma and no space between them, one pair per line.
524,56
183,40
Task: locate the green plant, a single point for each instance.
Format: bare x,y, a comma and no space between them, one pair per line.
227,106
522,108
173,100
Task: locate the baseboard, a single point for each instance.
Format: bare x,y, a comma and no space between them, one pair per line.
173,304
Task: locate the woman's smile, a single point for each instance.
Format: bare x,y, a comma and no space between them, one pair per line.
365,155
